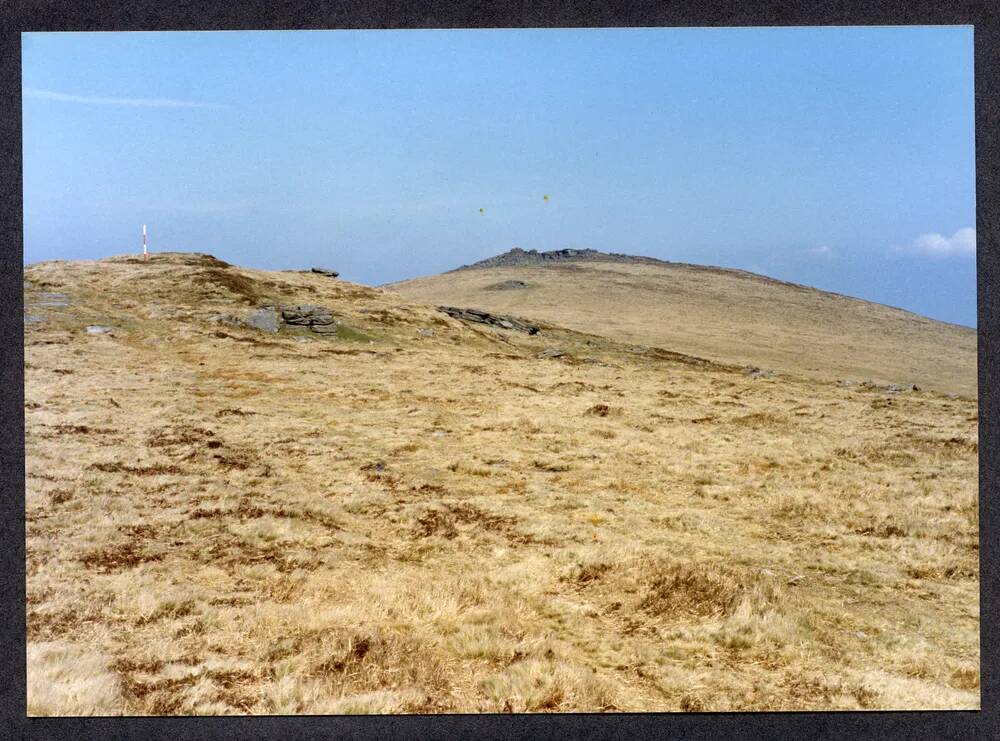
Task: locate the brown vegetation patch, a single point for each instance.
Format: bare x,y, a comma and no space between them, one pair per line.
239,460
957,447
965,679
443,522
233,412
156,469
436,522
760,420
601,410
177,435
373,661
942,571
82,430
47,625
585,573
234,551
118,558
228,280
550,466
168,611
684,590
159,696
248,511
885,529
60,496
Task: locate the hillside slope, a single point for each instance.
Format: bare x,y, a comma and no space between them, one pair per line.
727,315
385,509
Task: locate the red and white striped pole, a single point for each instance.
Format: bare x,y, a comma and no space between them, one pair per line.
145,254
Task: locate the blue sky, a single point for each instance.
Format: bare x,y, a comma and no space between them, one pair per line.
838,157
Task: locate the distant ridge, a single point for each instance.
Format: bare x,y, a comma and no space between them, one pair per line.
517,257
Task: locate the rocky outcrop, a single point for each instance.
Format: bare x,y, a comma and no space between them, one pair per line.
306,315
270,318
324,271
507,285
484,317
527,258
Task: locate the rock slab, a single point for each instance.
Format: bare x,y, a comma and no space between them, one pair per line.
484,317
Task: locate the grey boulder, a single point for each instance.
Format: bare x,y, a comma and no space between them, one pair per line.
265,320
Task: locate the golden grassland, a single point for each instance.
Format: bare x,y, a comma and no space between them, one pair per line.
225,521
729,316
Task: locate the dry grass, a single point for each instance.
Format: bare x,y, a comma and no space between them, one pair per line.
725,315
446,523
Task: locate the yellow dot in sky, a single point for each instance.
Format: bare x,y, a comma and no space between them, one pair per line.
545,197
482,210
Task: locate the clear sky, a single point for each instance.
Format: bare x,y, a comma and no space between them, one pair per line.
841,157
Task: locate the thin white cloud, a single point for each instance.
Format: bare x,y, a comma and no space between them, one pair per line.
962,242
822,251
31,92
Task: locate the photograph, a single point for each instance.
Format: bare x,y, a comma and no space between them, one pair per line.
491,371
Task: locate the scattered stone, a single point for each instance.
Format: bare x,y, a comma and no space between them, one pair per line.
847,384
755,372
638,349
795,580
97,329
325,328
507,285
951,397
265,319
54,300
324,271
33,319
483,317
891,388
425,332
229,319
550,352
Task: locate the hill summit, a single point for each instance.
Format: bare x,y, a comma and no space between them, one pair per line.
517,257
726,315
